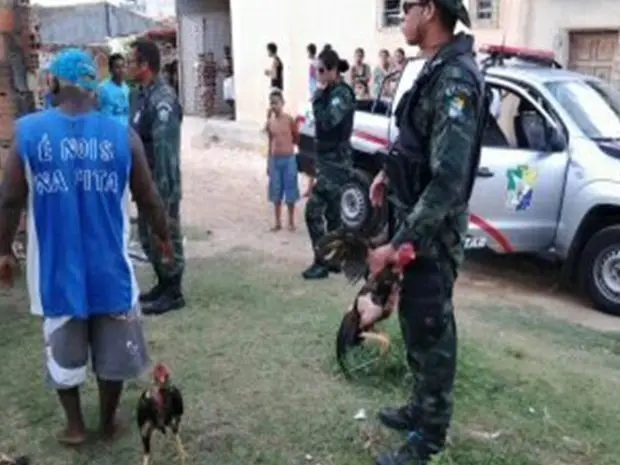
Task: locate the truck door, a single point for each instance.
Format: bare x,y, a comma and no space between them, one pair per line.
518,192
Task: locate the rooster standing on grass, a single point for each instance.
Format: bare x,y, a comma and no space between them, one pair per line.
160,408
374,302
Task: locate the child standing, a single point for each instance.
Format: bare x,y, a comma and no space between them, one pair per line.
281,160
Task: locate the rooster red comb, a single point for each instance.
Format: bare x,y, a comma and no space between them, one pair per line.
160,369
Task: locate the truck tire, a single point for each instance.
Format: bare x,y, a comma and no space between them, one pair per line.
599,270
356,211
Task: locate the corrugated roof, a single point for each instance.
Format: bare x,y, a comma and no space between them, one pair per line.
89,23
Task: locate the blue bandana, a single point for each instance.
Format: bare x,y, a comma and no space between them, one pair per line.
77,67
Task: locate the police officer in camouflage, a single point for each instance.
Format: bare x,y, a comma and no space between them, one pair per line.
431,169
333,105
156,116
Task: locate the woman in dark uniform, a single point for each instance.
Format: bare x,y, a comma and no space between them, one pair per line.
333,106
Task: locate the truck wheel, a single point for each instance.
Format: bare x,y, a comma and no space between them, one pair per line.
355,208
600,269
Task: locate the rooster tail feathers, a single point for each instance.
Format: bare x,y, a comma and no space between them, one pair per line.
348,336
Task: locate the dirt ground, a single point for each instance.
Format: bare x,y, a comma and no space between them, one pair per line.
225,207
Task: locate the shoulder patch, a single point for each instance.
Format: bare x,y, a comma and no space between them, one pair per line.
459,100
164,109
456,106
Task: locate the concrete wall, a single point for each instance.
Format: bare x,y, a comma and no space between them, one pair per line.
350,24
358,23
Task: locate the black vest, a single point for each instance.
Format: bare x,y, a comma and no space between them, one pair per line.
338,137
406,164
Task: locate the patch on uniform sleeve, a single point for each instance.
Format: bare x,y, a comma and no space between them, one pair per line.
456,106
458,101
164,109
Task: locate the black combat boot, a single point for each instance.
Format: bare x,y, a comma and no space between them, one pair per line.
400,419
171,298
418,450
334,269
154,293
318,270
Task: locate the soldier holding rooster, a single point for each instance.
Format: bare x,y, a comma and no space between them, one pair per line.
440,121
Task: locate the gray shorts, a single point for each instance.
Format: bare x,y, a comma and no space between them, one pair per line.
116,345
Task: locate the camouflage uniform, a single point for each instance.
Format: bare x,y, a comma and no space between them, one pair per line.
446,117
333,109
156,116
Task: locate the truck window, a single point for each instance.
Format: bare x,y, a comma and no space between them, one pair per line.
514,122
593,105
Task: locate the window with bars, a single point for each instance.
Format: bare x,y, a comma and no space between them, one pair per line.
391,13
485,10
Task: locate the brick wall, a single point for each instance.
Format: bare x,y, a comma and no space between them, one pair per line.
19,42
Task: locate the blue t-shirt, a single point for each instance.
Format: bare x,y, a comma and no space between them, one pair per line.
78,171
48,101
114,100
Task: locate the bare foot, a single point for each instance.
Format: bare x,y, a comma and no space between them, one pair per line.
292,228
114,431
72,438
276,228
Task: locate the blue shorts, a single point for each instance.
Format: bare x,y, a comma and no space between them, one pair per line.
283,183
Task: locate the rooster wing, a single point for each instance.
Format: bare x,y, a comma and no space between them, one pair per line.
347,250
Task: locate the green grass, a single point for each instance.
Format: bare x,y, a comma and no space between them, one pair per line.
253,354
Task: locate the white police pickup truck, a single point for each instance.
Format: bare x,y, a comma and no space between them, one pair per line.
549,175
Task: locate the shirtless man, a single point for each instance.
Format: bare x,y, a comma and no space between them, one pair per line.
281,160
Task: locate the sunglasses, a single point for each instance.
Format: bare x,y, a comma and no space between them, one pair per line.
407,6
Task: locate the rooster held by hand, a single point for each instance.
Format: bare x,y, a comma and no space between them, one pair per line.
160,408
375,301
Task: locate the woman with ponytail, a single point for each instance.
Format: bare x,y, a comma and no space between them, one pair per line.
333,105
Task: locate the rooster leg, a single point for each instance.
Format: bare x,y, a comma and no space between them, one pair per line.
177,439
146,432
180,448
381,339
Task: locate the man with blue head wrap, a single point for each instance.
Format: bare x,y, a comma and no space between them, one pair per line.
75,168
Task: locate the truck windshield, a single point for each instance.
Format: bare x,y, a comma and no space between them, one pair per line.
593,105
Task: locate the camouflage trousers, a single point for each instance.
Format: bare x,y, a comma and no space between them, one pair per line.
323,206
427,322
149,244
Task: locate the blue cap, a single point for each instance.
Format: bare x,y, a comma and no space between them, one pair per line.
75,66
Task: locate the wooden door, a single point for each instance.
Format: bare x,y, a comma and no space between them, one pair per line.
594,53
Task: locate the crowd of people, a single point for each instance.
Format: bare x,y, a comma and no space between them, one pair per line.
366,81
77,163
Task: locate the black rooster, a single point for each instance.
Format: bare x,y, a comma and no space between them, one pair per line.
160,407
6,460
372,303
